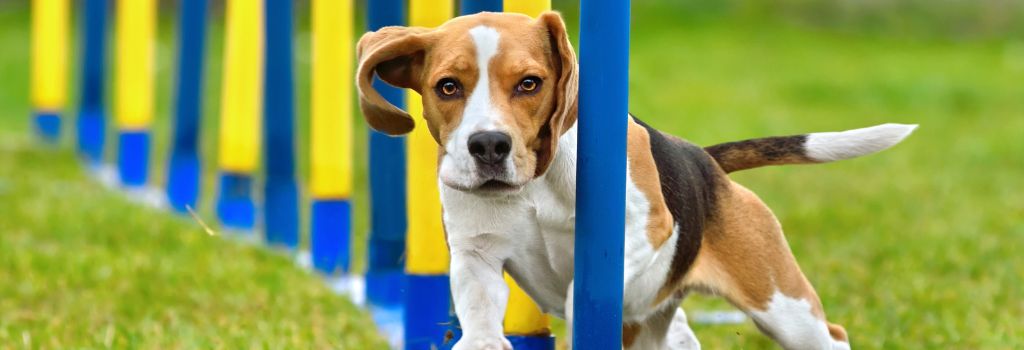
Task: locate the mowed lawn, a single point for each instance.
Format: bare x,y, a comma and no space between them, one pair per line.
81,267
916,247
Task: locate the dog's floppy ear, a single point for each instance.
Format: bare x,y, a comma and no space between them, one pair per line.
566,88
395,54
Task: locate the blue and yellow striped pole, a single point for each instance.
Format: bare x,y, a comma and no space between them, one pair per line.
426,266
280,192
525,325
183,171
134,94
601,173
49,65
239,143
92,115
469,7
388,223
331,134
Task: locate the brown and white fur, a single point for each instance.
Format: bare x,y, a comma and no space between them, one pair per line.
509,201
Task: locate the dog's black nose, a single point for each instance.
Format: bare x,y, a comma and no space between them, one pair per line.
490,147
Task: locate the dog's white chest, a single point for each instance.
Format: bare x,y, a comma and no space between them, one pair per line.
533,232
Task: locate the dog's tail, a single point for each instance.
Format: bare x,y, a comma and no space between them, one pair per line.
818,147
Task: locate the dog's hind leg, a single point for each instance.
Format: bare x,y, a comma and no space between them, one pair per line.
680,336
746,259
666,329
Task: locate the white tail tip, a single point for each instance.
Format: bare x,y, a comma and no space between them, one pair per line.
833,146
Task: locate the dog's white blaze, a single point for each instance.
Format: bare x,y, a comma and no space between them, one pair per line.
792,323
832,146
479,115
480,112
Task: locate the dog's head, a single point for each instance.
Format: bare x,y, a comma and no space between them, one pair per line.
498,91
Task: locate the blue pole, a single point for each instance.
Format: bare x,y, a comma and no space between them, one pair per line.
280,194
91,123
388,221
469,7
184,168
601,174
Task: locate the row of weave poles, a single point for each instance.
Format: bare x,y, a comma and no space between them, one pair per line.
406,284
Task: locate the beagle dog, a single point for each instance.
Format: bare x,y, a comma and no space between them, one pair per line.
500,98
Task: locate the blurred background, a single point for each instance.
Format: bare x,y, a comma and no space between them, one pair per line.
916,247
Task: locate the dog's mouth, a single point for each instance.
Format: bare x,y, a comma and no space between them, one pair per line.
493,185
489,188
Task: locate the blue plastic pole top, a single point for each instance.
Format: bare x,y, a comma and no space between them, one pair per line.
601,173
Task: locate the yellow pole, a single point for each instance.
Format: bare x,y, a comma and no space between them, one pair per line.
49,63
532,8
331,134
427,305
427,250
331,105
241,112
523,317
242,88
134,85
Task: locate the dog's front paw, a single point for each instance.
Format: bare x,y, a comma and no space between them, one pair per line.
483,343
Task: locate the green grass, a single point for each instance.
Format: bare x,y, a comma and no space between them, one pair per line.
916,247
84,268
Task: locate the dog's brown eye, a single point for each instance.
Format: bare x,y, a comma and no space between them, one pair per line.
448,88
528,86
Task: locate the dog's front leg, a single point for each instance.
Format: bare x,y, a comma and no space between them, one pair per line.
481,296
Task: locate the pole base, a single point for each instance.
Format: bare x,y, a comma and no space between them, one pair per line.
47,124
183,182
331,228
281,213
91,126
427,306
532,342
133,157
235,207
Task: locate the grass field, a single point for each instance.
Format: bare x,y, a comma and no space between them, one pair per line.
917,247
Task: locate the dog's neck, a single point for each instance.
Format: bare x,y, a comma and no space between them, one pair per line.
561,175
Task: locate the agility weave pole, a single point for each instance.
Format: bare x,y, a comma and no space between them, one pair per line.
385,273
134,88
92,114
427,300
280,191
330,182
525,325
50,43
601,174
240,115
184,169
